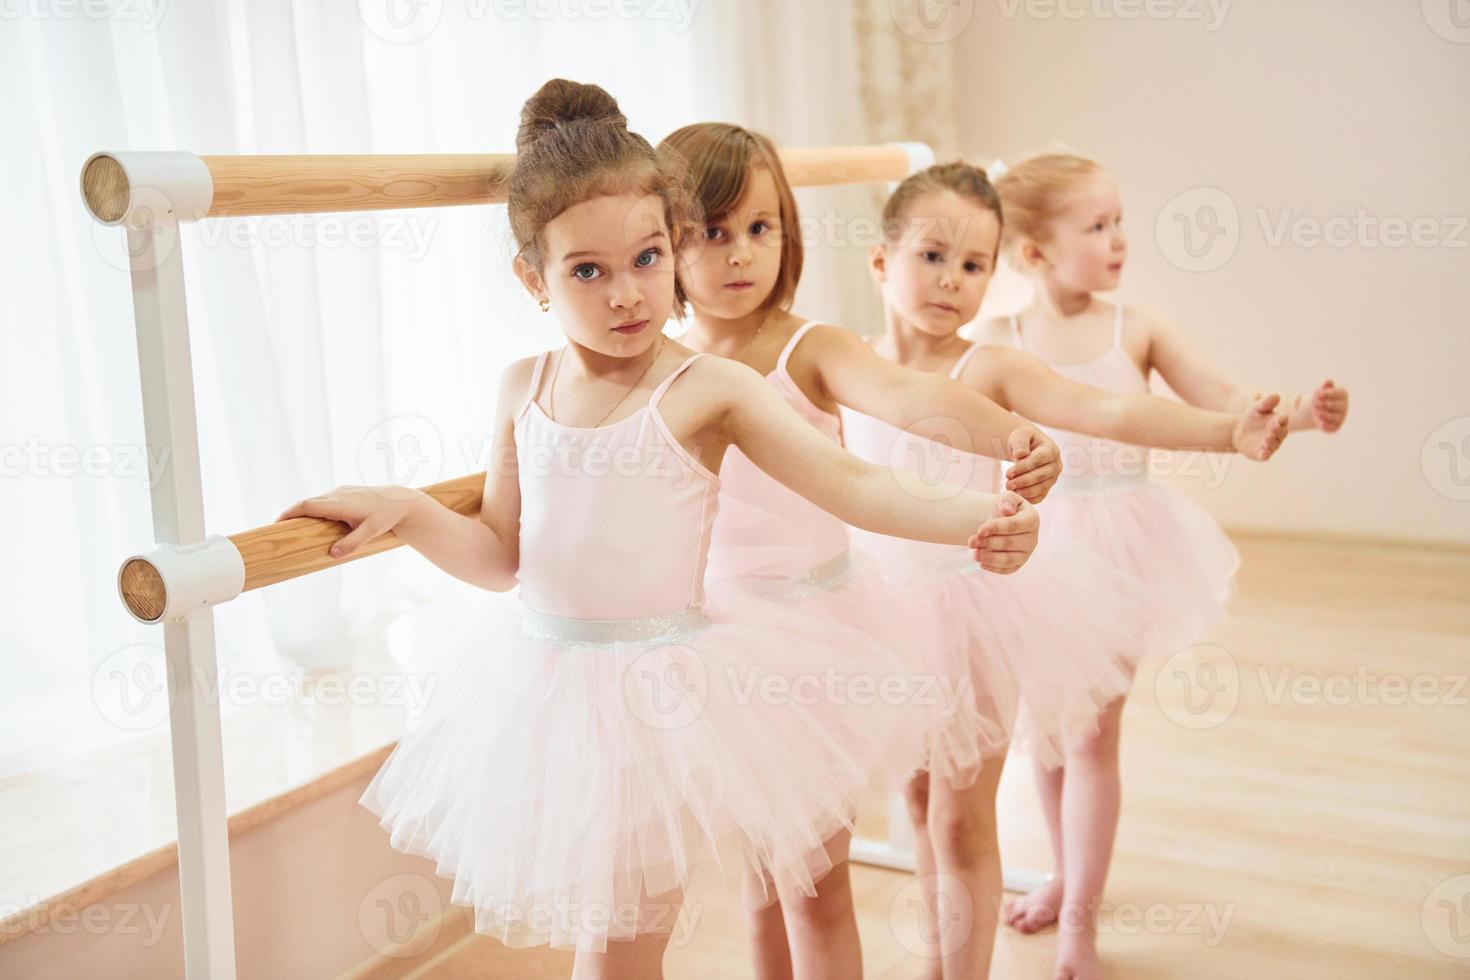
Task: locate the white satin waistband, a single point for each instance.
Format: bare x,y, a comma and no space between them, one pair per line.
665,628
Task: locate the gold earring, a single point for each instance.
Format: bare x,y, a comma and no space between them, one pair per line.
545,305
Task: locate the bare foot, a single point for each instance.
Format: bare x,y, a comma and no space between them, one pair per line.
1077,956
1037,909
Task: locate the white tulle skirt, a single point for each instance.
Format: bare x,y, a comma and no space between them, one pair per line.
563,783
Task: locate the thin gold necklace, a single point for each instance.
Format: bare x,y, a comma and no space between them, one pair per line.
551,389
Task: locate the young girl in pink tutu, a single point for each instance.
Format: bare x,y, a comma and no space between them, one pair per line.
942,234
1063,228
597,741
739,284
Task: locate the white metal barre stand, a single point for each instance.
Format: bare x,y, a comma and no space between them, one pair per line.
162,189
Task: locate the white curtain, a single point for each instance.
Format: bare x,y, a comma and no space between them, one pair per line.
327,349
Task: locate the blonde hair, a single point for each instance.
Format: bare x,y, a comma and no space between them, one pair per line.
719,159
1032,193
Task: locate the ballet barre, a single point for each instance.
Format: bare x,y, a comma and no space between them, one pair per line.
188,571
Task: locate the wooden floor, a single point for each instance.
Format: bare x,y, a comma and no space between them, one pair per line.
1296,797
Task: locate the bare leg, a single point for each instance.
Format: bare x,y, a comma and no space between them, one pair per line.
1091,800
962,833
641,958
1037,909
916,795
767,929
823,927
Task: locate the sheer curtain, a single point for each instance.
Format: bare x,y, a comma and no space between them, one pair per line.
329,349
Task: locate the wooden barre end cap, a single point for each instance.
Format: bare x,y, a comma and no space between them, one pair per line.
105,188
142,589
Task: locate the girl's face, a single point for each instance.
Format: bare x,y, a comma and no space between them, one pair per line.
733,271
1087,247
608,272
934,276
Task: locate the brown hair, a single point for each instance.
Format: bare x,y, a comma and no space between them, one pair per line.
957,177
1033,192
719,158
573,145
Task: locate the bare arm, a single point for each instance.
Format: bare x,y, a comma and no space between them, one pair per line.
482,551
1030,387
753,417
928,404
1200,383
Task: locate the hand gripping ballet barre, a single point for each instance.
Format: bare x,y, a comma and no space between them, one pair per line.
177,583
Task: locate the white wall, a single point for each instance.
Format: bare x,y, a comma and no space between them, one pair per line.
1306,109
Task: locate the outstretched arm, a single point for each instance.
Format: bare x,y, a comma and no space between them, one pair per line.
929,405
1029,386
1200,383
752,416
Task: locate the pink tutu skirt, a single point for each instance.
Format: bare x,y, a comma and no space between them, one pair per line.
1046,637
566,771
1183,563
852,589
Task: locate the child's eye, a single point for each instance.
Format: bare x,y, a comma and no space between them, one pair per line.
648,257
932,256
713,234
975,267
759,228
591,272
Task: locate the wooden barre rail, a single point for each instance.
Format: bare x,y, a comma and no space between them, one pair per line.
258,185
290,549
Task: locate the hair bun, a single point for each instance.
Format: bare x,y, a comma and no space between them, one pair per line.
560,102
